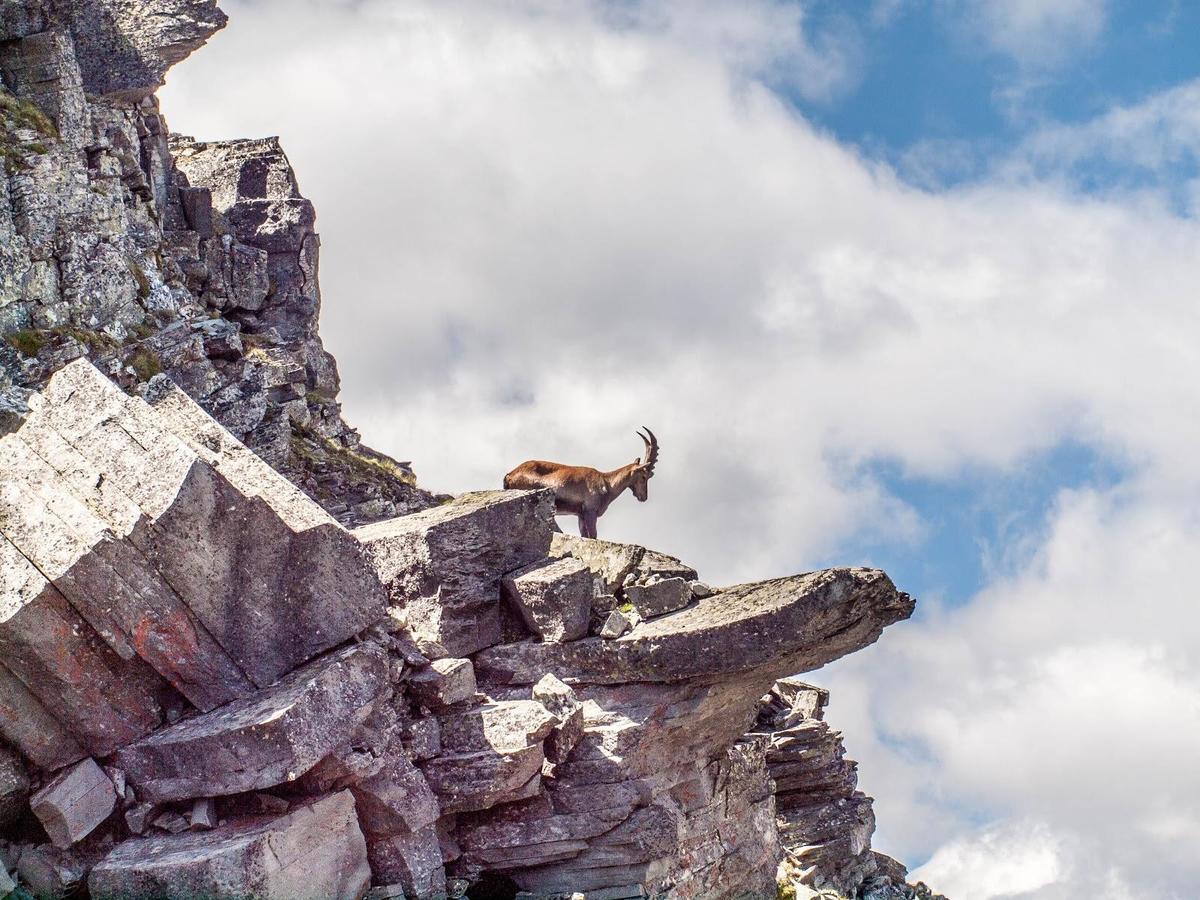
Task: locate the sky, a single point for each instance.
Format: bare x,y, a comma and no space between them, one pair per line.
907,283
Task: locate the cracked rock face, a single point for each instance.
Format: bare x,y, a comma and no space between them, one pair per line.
241,654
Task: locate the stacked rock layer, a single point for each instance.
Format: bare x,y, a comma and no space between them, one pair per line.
212,687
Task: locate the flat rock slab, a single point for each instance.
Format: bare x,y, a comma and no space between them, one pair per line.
268,739
72,805
443,566
221,548
608,560
660,597
553,598
445,682
56,526
784,626
473,781
504,726
316,852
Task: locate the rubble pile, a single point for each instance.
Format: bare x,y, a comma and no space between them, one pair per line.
212,687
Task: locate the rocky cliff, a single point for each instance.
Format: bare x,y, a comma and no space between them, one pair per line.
243,655
153,253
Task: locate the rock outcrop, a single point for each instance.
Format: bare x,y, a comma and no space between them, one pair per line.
243,655
148,253
209,652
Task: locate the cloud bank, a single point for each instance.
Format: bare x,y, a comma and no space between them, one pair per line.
545,225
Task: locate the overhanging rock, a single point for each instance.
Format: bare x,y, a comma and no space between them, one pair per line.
787,625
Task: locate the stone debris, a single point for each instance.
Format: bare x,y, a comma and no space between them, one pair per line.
443,566
7,885
274,736
171,821
203,815
562,703
74,804
615,625
316,852
659,597
554,599
139,816
48,871
444,683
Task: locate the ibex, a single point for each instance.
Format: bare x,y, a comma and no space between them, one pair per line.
583,491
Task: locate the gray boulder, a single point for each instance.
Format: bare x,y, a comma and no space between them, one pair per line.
553,598
271,738
72,805
316,852
443,566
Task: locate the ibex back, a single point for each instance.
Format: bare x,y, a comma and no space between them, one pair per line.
583,491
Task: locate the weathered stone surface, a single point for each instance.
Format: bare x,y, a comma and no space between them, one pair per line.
443,683
615,625
413,861
443,566
316,852
610,561
125,47
14,786
658,598
203,815
825,825
789,625
7,885
470,781
49,871
554,599
562,703
270,738
396,799
104,700
108,580
655,566
74,803
500,726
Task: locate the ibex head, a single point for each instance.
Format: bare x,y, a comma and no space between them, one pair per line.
645,466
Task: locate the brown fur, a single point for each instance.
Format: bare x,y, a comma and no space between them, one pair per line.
582,491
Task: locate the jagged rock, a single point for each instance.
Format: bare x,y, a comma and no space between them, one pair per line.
554,598
396,799
139,816
125,48
270,738
700,590
615,625
315,852
444,683
48,871
562,703
103,700
72,805
654,566
796,624
610,561
443,566
171,821
503,725
7,885
14,786
477,780
414,861
658,598
422,738
109,582
825,825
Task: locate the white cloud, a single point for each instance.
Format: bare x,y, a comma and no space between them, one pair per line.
1037,34
544,227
